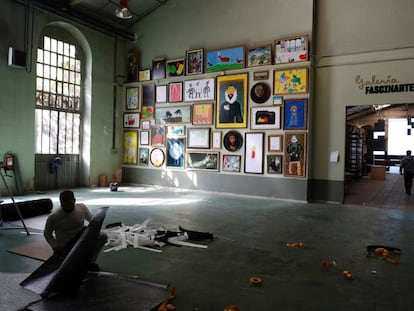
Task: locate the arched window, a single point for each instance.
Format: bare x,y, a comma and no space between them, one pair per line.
58,98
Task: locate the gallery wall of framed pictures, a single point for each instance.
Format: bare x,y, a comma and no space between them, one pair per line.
230,110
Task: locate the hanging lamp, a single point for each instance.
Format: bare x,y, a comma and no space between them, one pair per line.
122,11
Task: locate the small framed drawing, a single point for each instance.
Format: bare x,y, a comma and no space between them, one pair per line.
291,50
216,140
144,138
206,161
199,90
132,98
143,156
131,119
253,153
173,114
194,62
175,68
175,152
225,59
202,113
274,164
265,118
158,68
175,130
198,138
295,114
130,144
260,75
277,100
275,143
175,92
259,55
295,154
231,163
145,124
161,94
157,157
290,81
157,136
231,101
148,101
144,75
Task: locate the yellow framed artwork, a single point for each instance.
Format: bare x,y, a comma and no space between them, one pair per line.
130,154
231,97
291,81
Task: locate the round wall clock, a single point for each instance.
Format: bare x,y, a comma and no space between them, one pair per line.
260,92
157,157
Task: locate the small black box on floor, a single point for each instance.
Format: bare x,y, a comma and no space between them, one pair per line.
27,209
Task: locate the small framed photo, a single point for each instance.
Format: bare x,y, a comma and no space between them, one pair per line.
225,59
265,118
175,92
253,153
231,163
131,120
130,147
277,100
261,75
194,62
144,75
216,140
295,114
157,136
290,81
145,124
199,90
198,138
275,143
175,130
292,50
202,113
206,161
157,157
158,68
175,152
132,98
144,138
259,55
143,156
161,94
274,164
175,68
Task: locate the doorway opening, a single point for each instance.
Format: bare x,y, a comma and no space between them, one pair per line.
377,137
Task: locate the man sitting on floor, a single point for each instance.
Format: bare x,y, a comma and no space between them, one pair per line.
63,225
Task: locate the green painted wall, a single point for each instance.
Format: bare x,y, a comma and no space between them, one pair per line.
17,89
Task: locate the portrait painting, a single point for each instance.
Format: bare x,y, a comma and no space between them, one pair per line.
231,111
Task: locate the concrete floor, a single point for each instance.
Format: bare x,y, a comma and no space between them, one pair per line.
251,234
